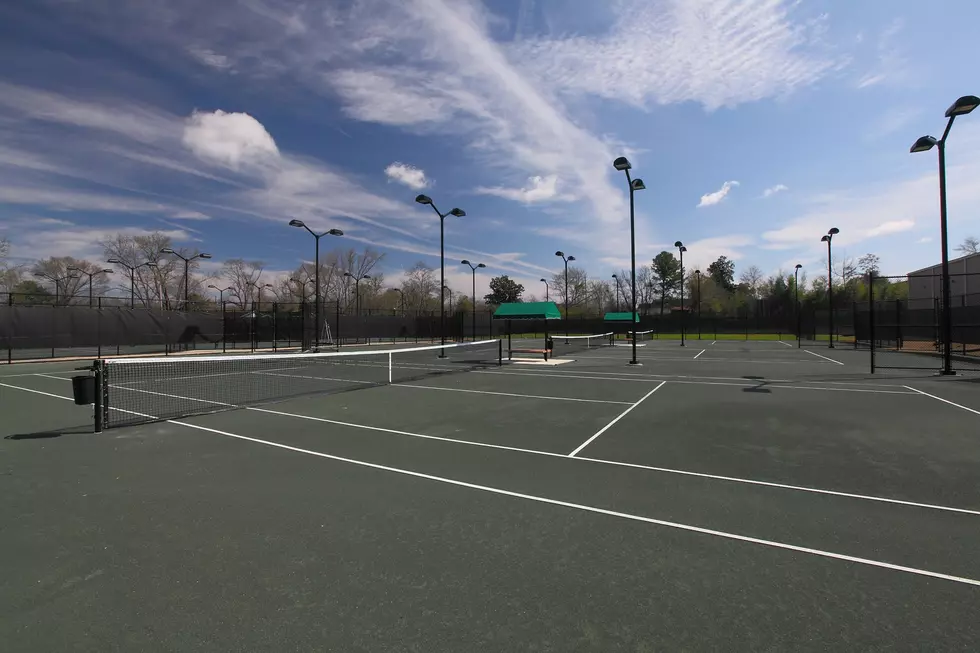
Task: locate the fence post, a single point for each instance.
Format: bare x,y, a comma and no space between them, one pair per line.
10,336
871,316
98,329
275,331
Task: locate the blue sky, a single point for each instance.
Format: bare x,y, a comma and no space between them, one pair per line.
756,126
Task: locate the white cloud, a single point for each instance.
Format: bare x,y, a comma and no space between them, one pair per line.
230,139
210,58
924,239
67,200
79,242
772,190
662,52
710,199
538,189
189,215
890,227
408,175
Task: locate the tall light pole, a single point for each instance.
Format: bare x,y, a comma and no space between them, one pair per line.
132,276
187,262
547,298
473,268
302,285
401,298
56,281
961,107
681,249
316,262
623,164
258,289
450,291
357,289
459,213
221,292
830,283
90,275
566,259
697,273
616,277
799,323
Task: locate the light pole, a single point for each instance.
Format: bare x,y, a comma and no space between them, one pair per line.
316,262
681,249
221,293
961,107
450,291
357,289
401,300
132,276
473,268
302,284
56,281
187,261
799,323
258,288
616,277
830,283
622,163
459,213
566,259
90,275
697,274
547,298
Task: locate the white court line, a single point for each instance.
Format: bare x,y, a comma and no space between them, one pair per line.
37,392
739,361
784,343
713,342
600,461
595,510
699,353
510,394
813,353
619,417
51,376
945,401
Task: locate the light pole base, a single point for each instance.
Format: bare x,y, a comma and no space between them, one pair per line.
637,363
442,356
947,372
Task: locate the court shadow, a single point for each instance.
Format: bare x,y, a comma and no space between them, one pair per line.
761,388
53,433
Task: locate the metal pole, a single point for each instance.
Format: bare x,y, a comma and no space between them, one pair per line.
224,324
473,308
566,301
830,296
682,297
632,269
316,297
871,316
132,287
186,274
442,284
699,306
799,324
947,325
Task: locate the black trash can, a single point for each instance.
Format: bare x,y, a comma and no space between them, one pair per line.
549,344
83,388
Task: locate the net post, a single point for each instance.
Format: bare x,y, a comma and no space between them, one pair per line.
98,369
389,368
500,353
871,316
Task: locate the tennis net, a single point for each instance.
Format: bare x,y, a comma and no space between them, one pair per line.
569,344
143,390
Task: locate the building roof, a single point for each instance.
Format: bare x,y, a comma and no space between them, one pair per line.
527,311
936,265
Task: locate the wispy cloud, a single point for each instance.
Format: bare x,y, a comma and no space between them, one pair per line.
890,65
408,175
710,199
189,215
890,227
772,190
716,54
924,239
537,189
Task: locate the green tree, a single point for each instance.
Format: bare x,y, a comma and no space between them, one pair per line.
503,290
869,263
30,291
723,273
665,275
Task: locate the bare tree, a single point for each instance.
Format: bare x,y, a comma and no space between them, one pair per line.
152,286
419,287
970,245
10,275
577,286
753,279
242,277
600,294
58,274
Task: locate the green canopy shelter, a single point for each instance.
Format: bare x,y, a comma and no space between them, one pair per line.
527,311
621,317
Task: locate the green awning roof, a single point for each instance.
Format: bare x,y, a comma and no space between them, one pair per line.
527,311
621,317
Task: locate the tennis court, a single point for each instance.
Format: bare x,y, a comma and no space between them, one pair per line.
723,495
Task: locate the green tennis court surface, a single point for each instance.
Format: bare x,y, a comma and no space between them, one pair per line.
735,495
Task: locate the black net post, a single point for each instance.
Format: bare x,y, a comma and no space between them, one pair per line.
10,334
275,331
98,369
98,327
224,327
